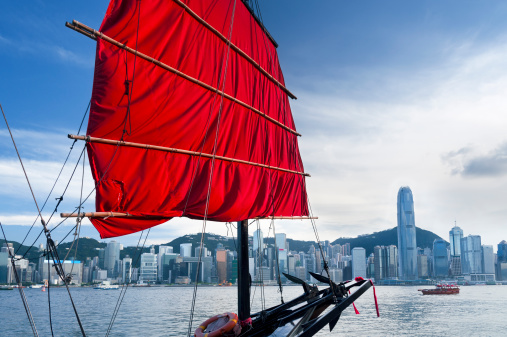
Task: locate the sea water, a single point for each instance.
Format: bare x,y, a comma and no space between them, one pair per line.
165,311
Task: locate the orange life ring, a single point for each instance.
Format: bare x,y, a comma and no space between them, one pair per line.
233,320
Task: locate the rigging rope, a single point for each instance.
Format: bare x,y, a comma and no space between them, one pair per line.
20,288
125,287
224,78
46,231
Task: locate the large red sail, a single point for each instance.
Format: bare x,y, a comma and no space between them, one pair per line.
139,101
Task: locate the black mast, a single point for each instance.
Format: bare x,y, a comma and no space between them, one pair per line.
243,272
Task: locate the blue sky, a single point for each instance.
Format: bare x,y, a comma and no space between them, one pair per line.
390,93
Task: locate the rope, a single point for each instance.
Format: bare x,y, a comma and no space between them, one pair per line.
224,78
125,287
56,181
21,292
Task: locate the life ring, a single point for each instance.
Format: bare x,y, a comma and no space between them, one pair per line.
233,321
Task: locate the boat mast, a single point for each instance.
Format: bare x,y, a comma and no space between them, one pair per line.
243,272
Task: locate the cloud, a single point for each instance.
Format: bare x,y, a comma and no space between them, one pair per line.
4,40
467,164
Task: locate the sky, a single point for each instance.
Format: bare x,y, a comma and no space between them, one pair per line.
390,94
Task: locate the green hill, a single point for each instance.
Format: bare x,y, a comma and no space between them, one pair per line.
388,237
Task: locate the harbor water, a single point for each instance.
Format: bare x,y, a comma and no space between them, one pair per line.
165,311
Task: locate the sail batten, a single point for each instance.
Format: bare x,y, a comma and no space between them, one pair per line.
190,153
171,135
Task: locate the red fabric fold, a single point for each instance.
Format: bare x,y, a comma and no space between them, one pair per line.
169,111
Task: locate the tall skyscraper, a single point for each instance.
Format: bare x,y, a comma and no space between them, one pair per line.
407,247
258,240
112,258
455,236
440,259
358,262
471,255
488,259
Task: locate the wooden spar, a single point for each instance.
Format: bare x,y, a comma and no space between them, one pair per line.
235,48
128,215
92,32
173,150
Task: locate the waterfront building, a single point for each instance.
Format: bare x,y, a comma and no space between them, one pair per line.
336,275
422,266
148,268
455,268
112,258
488,259
455,236
161,251
73,268
471,255
186,250
407,248
126,269
380,262
501,266
392,262
168,262
440,259
4,267
358,262
221,261
346,249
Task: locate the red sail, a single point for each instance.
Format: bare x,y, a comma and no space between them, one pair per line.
169,110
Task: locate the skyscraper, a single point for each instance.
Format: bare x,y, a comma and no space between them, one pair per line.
488,259
186,249
358,262
440,260
258,240
455,236
471,255
112,258
407,247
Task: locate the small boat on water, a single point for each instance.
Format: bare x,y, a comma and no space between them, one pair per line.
6,288
106,285
441,289
36,286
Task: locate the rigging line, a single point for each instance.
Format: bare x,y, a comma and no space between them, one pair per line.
21,292
279,278
224,78
125,287
47,233
49,297
61,274
24,171
261,255
56,181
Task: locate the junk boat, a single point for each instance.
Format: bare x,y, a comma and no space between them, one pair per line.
190,117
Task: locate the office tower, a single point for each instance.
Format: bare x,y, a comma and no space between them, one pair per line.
281,240
127,270
488,259
186,250
358,262
380,262
148,267
346,249
112,258
392,262
161,251
407,248
471,255
221,265
455,236
422,266
501,266
258,241
440,259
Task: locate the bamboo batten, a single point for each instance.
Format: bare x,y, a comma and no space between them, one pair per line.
235,48
88,31
127,215
186,152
